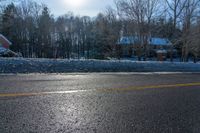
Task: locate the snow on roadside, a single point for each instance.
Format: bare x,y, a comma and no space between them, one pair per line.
23,65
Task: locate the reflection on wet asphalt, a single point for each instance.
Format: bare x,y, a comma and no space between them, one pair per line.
165,110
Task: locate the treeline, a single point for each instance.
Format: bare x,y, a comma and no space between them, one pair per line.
36,32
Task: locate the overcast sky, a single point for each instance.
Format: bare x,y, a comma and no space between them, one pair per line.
78,7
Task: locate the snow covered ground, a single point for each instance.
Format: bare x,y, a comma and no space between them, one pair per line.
2,50
22,65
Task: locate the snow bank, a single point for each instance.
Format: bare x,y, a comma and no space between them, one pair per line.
22,65
2,50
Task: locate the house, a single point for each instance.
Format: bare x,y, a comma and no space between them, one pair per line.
126,45
129,45
4,47
159,44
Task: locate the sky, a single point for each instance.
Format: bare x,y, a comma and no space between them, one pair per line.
78,7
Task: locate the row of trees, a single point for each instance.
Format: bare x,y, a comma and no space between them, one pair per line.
35,32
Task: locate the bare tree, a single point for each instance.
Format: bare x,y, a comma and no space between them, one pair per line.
194,38
175,9
188,15
114,27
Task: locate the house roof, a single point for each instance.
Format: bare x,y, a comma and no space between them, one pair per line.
152,41
127,40
4,38
159,41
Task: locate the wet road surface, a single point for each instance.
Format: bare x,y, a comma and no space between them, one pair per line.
102,103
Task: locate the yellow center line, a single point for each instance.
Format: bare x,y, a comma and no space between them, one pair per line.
152,87
99,90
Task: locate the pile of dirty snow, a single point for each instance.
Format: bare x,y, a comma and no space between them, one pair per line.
22,65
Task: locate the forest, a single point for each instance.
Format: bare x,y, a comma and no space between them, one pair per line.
37,33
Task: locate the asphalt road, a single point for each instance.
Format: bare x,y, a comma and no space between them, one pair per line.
102,103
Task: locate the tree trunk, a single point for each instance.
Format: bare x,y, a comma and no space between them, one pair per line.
171,53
